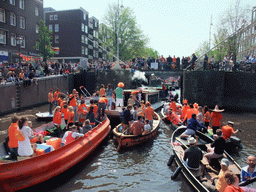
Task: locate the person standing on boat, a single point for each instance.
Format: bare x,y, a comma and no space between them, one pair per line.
57,119
109,95
119,95
191,127
149,113
228,130
135,113
102,90
249,171
102,104
13,142
50,100
185,108
71,116
216,118
207,117
56,95
73,103
217,147
82,111
91,116
127,120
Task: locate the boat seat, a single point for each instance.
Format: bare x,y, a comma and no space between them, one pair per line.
23,158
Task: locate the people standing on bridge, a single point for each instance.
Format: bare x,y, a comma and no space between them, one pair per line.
205,62
50,100
193,61
216,118
178,63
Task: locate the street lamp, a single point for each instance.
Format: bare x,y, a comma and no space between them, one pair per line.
19,39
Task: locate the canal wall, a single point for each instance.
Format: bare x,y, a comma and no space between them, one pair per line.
17,97
234,91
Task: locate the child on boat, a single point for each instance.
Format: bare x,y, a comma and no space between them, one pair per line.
71,135
147,127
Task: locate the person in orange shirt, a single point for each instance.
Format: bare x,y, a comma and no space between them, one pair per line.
50,100
63,102
102,104
173,106
82,111
95,107
228,130
189,113
149,113
56,96
13,142
71,116
185,108
172,117
102,90
21,75
73,103
207,117
216,118
64,110
57,119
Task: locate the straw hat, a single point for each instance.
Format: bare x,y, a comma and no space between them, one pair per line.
216,109
191,140
230,122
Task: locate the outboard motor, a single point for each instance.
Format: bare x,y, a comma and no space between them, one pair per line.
233,143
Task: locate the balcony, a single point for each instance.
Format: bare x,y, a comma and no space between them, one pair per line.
90,46
90,36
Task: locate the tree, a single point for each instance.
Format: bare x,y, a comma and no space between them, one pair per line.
133,43
45,48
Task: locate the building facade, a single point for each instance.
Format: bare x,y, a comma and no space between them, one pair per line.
247,38
19,28
74,34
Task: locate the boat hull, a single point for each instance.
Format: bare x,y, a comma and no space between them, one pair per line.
29,172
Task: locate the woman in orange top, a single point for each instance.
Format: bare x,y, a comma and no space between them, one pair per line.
102,90
71,116
64,110
149,113
57,119
207,116
173,106
81,112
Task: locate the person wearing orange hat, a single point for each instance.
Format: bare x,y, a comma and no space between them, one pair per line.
216,118
149,113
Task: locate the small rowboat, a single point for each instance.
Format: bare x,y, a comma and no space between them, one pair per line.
125,141
179,146
29,171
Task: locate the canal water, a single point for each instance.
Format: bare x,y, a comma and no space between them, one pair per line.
143,168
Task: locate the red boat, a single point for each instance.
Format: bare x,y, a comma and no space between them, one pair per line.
33,170
124,141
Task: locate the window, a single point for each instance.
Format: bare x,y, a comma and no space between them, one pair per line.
82,27
51,17
21,4
37,46
13,19
86,29
82,50
86,51
94,33
96,23
56,38
2,15
2,37
36,11
85,16
97,34
37,29
22,22
55,17
12,2
56,27
50,27
94,43
13,39
86,40
93,53
82,38
22,42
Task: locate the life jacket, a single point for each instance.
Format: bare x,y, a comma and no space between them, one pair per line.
69,138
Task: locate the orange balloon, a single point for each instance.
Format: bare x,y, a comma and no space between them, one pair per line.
121,84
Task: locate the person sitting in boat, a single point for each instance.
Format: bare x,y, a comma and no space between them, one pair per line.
217,147
87,126
249,171
193,156
149,113
57,119
172,117
191,127
220,183
173,106
147,127
233,182
81,111
25,147
91,116
137,127
35,137
228,130
71,135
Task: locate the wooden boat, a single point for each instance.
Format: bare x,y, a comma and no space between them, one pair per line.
131,140
179,146
33,170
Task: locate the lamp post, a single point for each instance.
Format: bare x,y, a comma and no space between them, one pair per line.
19,39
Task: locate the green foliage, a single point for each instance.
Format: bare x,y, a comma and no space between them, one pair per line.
133,42
45,48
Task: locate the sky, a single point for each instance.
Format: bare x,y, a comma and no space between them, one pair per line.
174,27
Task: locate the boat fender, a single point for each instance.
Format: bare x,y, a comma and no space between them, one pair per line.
176,173
170,160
